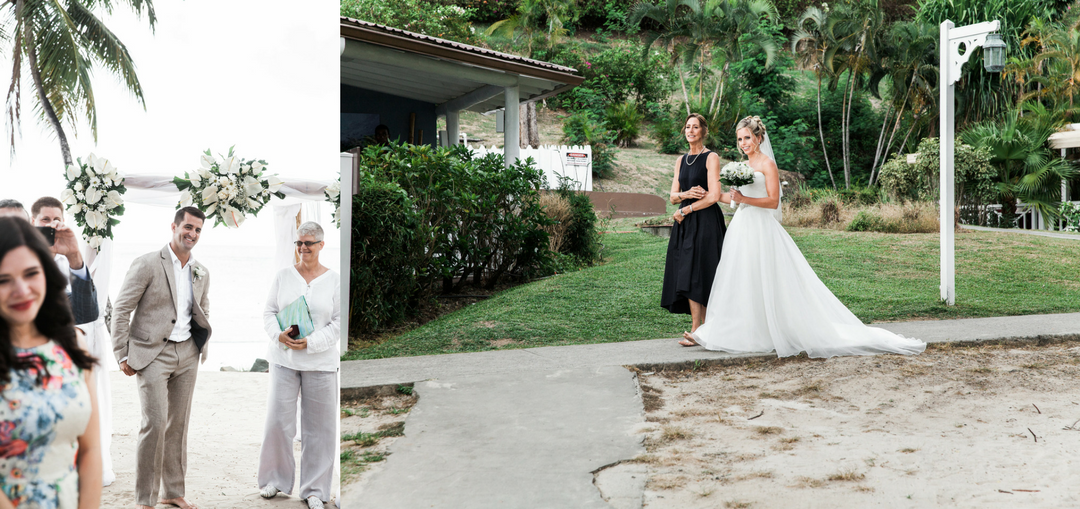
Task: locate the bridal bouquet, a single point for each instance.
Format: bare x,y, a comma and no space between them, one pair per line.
94,195
737,173
228,189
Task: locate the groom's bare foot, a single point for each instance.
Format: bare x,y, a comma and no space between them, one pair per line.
179,502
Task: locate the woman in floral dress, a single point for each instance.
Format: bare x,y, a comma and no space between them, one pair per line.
49,444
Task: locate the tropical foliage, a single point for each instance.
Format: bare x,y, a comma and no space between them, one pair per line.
59,44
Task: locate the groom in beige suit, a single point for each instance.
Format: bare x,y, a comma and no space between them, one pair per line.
162,343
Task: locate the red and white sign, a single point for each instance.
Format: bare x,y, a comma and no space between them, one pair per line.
577,159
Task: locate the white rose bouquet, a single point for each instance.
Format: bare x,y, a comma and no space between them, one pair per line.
228,189
94,196
333,195
737,173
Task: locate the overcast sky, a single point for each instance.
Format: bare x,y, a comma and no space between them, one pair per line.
259,75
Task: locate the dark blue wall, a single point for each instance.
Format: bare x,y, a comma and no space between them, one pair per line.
393,111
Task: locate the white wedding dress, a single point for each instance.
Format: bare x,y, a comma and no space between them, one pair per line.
766,297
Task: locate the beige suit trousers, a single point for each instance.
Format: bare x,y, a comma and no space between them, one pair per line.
166,386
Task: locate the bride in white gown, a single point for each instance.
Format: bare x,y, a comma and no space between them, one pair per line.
765,295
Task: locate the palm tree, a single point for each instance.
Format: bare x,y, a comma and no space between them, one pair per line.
672,32
912,68
61,40
1027,169
856,27
725,29
810,42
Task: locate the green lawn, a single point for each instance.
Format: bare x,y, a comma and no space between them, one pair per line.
880,277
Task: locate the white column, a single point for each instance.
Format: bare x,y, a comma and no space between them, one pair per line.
346,244
452,122
948,181
511,133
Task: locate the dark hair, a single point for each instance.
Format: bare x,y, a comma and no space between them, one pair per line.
54,320
701,121
382,127
179,217
45,201
11,204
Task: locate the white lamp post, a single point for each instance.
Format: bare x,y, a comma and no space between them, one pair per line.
971,36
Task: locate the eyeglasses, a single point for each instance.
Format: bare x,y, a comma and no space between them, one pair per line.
307,243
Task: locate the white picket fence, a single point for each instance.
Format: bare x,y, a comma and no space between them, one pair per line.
556,161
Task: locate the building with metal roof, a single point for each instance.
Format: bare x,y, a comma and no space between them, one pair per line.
406,81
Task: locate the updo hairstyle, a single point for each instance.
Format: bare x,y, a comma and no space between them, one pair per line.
754,124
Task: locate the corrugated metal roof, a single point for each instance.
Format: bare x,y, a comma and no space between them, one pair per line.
375,27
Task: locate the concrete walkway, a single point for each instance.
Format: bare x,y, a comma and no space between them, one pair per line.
528,428
1040,233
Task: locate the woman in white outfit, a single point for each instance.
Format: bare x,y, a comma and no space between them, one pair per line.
307,366
765,296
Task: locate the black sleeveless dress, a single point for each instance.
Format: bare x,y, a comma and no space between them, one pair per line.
694,249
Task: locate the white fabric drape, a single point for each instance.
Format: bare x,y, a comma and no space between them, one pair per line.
99,343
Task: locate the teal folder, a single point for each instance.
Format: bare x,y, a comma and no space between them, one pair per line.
297,313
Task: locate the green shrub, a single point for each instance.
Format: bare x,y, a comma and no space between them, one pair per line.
487,11
612,75
386,239
974,174
420,16
856,195
667,132
581,241
479,220
584,128
868,222
1070,212
625,119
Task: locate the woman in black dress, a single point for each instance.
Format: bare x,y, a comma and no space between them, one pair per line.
694,249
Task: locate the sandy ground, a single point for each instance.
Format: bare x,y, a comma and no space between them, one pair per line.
223,442
953,427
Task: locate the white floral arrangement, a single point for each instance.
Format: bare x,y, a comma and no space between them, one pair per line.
95,198
333,195
228,189
737,173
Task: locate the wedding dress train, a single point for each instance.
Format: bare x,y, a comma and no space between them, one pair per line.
766,297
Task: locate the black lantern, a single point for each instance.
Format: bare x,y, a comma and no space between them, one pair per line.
994,53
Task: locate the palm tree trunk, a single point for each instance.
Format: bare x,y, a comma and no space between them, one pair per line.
880,143
910,129
821,131
686,98
845,106
46,106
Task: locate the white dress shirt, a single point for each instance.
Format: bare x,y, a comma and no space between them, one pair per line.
323,299
185,294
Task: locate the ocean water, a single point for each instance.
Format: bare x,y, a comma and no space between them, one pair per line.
241,265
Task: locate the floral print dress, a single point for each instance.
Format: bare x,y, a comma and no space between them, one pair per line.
43,411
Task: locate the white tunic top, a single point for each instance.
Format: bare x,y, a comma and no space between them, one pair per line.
323,299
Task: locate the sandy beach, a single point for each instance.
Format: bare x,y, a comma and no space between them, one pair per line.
995,426
223,442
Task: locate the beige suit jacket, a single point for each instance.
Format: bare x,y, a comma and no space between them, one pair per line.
144,313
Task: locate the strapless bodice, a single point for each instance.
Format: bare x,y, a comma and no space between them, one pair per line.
757,190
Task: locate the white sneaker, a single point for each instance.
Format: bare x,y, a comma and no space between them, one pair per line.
269,491
313,502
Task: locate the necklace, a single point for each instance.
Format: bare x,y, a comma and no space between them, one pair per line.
696,156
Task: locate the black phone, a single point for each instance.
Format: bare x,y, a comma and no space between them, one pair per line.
49,232
294,330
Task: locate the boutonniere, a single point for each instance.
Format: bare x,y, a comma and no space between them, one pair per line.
197,273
